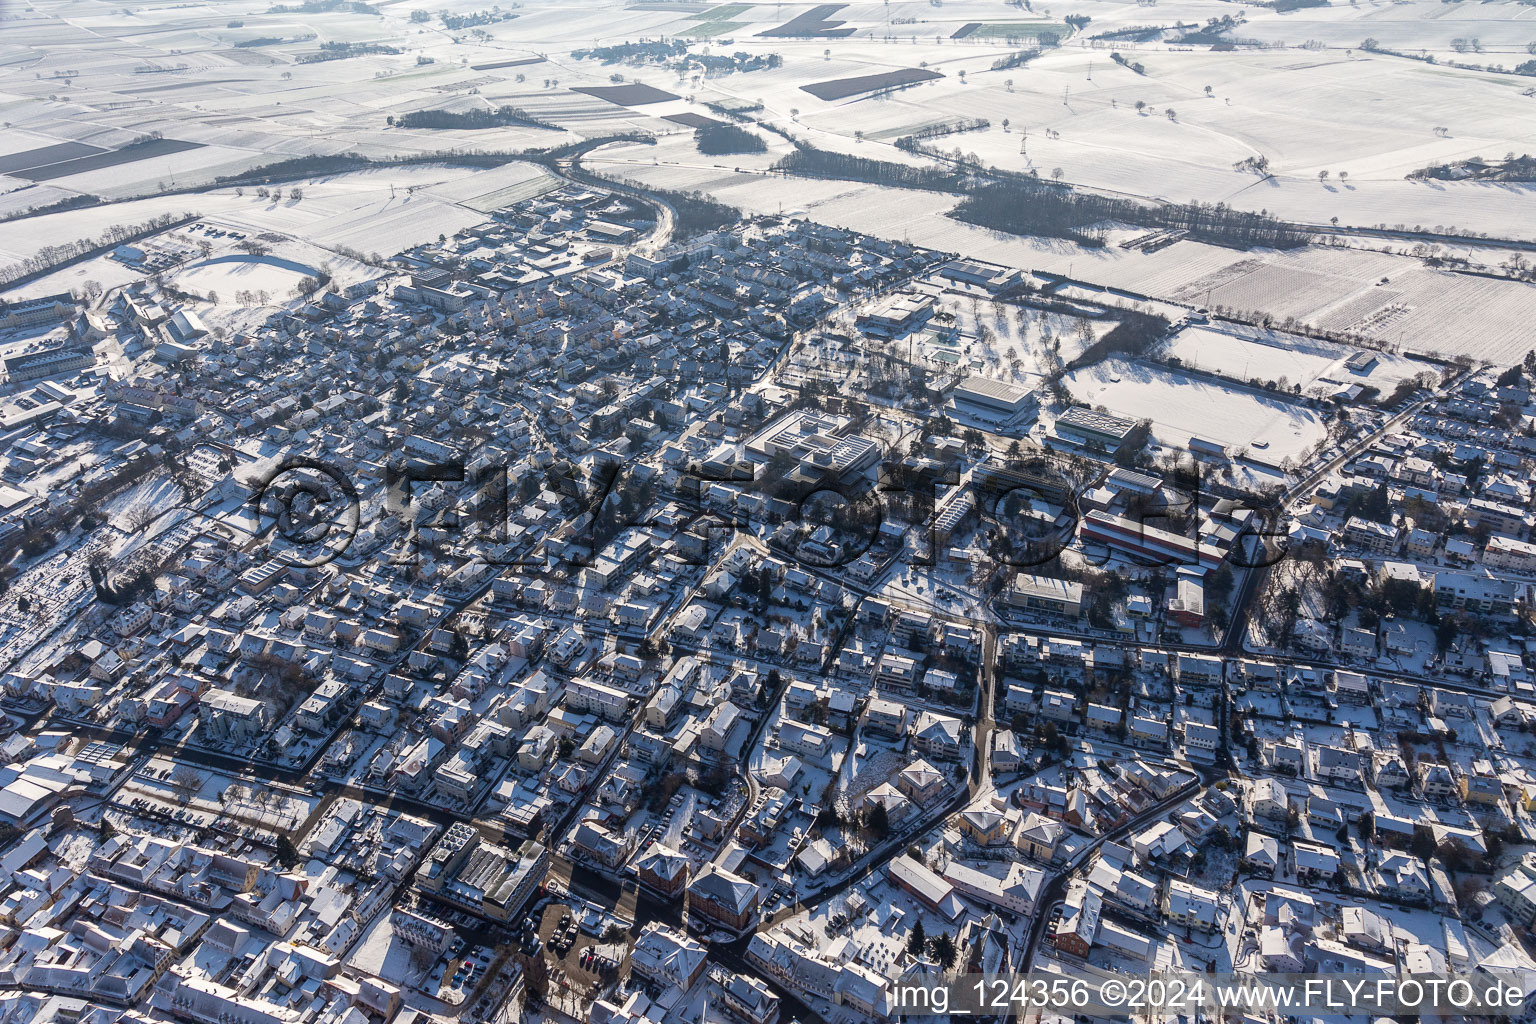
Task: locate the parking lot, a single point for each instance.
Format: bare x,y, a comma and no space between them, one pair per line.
584,960
458,973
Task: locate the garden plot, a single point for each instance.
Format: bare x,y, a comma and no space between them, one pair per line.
690,119
633,95
24,164
1398,303
77,158
157,173
821,22
1182,407
1287,291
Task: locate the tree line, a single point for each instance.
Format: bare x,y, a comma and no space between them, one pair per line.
51,257
697,213
341,51
456,22
1511,168
319,165
809,162
1024,205
908,142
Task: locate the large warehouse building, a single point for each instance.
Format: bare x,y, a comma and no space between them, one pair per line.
994,400
1096,431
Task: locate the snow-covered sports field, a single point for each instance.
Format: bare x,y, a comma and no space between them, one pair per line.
1274,428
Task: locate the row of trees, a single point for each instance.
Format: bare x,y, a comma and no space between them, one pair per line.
1512,168
697,213
820,163
50,257
977,124
646,51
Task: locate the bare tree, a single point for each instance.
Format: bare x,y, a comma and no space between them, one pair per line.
186,781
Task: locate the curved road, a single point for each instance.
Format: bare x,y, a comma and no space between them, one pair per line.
568,166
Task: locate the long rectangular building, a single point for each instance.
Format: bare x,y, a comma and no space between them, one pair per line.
41,310
50,363
1139,540
1043,593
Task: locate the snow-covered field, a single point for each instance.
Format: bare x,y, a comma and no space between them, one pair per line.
1311,100
1305,112
380,211
137,508
1251,354
1182,407
228,275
